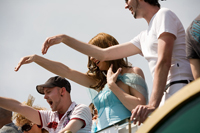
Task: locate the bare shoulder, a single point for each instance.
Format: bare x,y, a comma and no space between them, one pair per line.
135,70
138,71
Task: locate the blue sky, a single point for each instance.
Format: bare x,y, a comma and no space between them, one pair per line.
25,25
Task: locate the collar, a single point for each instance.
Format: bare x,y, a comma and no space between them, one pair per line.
71,107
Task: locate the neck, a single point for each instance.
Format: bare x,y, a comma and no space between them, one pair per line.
65,107
151,11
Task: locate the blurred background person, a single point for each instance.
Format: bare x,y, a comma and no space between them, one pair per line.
193,46
25,124
6,124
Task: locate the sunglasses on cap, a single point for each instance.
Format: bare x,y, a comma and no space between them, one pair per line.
26,127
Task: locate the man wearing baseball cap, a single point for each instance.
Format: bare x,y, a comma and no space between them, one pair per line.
65,114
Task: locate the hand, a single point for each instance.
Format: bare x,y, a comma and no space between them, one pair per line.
25,60
112,77
51,41
140,113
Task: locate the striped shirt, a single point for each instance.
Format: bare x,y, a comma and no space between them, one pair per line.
51,122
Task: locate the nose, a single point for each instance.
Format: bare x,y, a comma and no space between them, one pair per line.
92,58
126,6
45,96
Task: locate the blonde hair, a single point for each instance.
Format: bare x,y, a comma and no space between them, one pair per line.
20,120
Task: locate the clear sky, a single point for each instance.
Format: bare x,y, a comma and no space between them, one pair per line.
24,26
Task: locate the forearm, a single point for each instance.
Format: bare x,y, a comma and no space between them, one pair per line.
84,48
110,53
64,71
129,101
16,106
195,67
52,66
159,82
10,104
73,126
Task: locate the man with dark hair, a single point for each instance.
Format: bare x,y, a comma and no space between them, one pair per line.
65,115
6,124
153,2
162,45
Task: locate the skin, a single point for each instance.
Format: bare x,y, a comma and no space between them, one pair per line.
165,47
195,67
132,99
34,129
57,103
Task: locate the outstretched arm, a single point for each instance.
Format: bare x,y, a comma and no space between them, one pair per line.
130,101
110,53
16,106
58,68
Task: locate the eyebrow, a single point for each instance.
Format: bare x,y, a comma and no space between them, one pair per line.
47,89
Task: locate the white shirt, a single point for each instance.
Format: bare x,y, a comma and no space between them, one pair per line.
81,112
147,41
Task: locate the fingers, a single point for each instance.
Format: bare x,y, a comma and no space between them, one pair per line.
51,41
17,67
137,114
133,115
118,71
19,64
24,60
110,68
45,47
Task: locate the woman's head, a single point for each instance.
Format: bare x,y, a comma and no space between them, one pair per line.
25,124
96,67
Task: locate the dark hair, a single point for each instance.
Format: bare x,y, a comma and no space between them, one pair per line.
104,40
153,2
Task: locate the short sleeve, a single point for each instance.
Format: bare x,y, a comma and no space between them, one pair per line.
166,21
136,41
82,112
45,117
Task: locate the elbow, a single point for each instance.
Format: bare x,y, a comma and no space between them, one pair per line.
104,55
64,70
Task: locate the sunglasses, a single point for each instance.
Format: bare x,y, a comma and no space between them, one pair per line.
26,127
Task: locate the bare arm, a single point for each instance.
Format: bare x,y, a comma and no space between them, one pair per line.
73,126
110,53
165,47
59,69
130,101
16,106
195,67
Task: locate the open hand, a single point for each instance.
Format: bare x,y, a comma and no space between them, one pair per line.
25,60
51,41
111,76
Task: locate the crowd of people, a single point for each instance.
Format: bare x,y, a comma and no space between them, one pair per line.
118,89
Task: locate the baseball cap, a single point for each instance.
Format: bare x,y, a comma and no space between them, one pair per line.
53,82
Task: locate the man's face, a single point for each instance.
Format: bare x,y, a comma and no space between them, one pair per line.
132,5
53,97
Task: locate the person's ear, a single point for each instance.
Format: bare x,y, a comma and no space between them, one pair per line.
62,91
